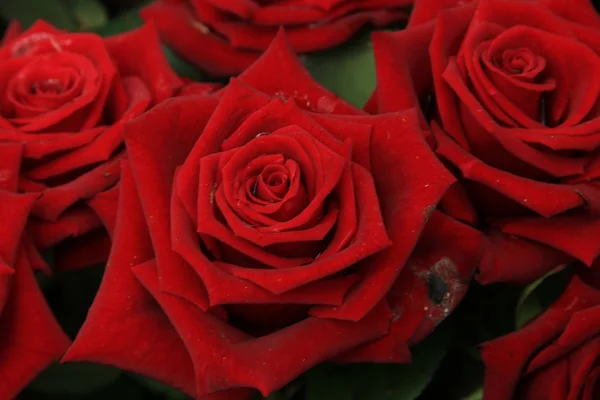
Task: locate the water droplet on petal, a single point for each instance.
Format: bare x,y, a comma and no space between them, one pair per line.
325,104
5,175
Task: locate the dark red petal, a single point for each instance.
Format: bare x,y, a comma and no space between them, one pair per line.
12,32
570,62
225,357
497,146
125,325
240,8
581,363
139,53
41,145
158,142
504,367
573,234
26,353
72,223
544,198
347,221
178,27
260,238
14,213
35,258
237,102
516,260
403,68
397,147
279,114
224,288
583,326
448,251
10,165
359,135
369,239
208,224
456,203
105,204
55,200
550,384
279,72
580,11
100,150
88,250
86,111
447,39
427,10
329,32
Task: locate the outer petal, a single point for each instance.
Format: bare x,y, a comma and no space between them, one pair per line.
225,357
427,10
12,31
26,352
580,11
572,234
506,357
403,68
406,172
125,327
279,72
105,204
139,53
427,290
157,143
191,39
517,260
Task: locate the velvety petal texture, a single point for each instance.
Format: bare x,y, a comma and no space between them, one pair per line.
24,313
223,37
64,97
508,95
555,356
269,228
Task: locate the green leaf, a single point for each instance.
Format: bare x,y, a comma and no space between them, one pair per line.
74,379
182,67
129,20
123,22
159,388
381,381
89,14
538,296
476,395
347,70
27,12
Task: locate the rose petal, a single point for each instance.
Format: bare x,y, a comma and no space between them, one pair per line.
291,80
178,27
503,368
517,260
138,53
126,311
572,234
154,155
26,353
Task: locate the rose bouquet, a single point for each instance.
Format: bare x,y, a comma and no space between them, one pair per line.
226,215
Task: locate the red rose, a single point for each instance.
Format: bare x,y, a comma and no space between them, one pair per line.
280,224
225,37
510,92
30,337
64,98
555,356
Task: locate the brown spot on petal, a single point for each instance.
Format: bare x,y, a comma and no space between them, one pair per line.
201,27
444,287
